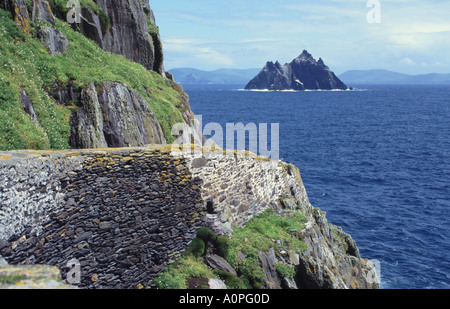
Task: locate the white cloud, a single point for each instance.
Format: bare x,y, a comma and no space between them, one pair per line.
198,53
407,61
249,33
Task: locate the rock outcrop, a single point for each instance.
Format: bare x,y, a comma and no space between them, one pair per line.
123,27
43,11
112,115
131,32
91,26
19,11
303,73
55,41
28,106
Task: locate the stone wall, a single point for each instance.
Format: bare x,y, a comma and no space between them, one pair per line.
125,213
238,185
122,214
30,188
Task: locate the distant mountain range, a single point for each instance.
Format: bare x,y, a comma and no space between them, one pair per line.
353,77
389,77
220,76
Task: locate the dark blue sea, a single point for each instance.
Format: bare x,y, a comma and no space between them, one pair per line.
377,160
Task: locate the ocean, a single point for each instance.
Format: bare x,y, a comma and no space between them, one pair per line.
376,159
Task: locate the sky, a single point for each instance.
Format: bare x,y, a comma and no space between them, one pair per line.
407,36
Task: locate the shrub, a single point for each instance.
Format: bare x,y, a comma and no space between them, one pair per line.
252,270
206,234
231,281
195,248
222,246
176,275
284,270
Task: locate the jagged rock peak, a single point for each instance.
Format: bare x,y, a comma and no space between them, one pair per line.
305,55
303,73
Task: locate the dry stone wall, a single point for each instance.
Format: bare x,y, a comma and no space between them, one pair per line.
239,185
122,214
30,189
125,213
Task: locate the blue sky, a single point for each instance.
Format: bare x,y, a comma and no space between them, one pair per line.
413,36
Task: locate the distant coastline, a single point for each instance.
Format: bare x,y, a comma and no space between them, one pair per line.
216,77
394,78
291,90
353,77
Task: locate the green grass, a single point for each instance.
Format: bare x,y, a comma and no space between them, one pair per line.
176,275
18,69
24,62
11,279
261,233
287,271
152,29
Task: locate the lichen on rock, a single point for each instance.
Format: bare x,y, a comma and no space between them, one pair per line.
32,277
112,115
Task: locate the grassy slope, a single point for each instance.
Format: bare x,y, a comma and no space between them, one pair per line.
264,231
24,62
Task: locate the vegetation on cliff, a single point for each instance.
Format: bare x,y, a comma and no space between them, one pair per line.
268,230
25,65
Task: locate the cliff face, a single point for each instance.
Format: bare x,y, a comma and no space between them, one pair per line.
132,33
303,73
105,115
127,213
75,94
19,12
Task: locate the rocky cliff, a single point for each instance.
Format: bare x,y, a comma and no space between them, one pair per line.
303,73
105,115
127,214
98,81
131,31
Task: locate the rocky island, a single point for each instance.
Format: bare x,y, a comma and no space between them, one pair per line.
303,73
92,194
